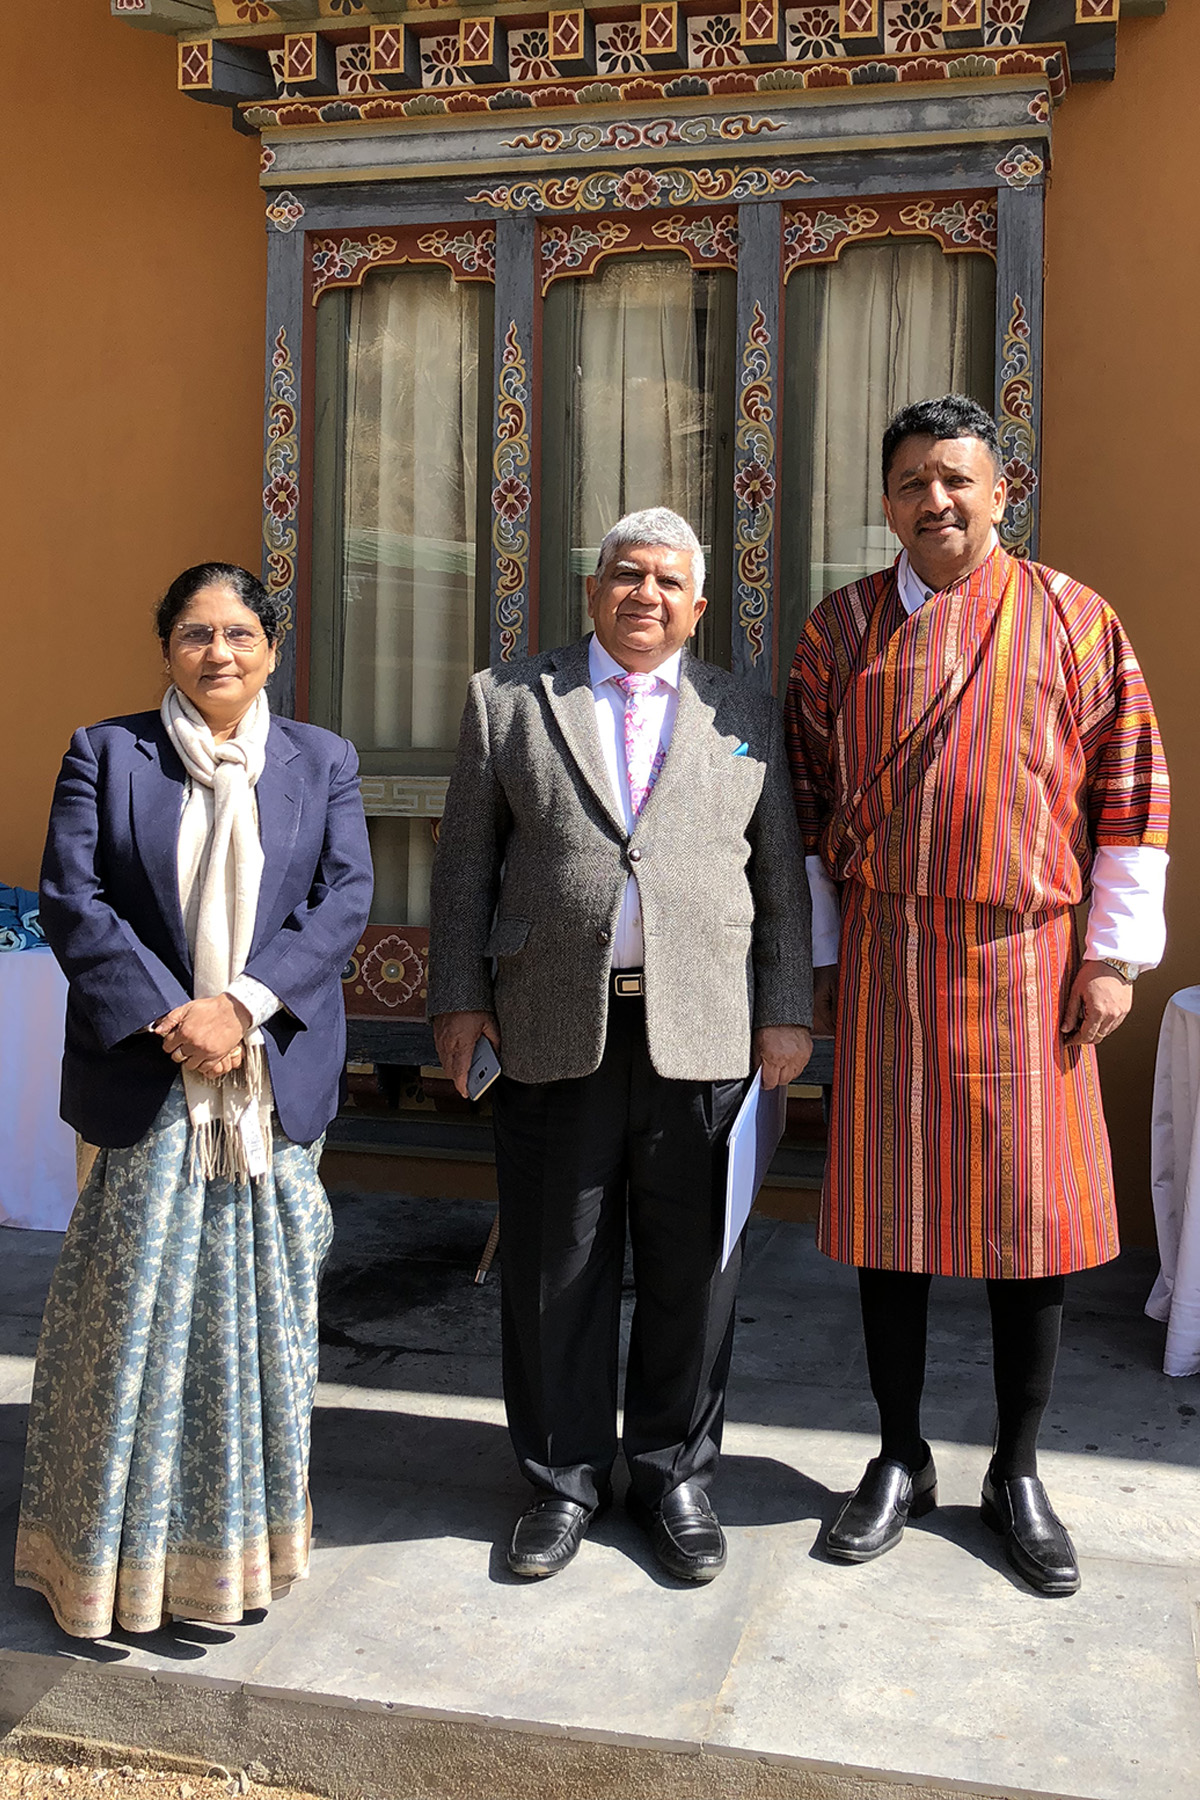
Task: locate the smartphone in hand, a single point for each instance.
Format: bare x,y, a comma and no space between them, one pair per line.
485,1066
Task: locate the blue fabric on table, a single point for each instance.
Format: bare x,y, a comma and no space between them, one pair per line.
19,927
167,1459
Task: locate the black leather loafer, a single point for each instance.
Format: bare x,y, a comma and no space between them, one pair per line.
1035,1538
874,1517
685,1533
546,1537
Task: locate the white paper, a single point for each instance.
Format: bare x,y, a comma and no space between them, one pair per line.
753,1140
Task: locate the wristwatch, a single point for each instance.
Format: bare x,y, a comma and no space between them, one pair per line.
1127,971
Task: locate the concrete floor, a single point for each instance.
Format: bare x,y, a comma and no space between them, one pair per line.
934,1662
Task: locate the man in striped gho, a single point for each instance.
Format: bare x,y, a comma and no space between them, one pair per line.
974,752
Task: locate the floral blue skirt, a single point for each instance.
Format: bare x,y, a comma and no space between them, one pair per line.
166,1469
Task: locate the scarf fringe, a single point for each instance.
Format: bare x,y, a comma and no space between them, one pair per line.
219,1150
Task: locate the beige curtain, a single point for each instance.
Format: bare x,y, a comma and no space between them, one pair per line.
893,322
410,471
641,390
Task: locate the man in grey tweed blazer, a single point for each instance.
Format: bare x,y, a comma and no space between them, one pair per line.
620,906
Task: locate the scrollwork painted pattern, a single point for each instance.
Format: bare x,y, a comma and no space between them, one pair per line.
650,134
1018,435
634,189
511,496
754,483
281,490
469,252
708,240
957,221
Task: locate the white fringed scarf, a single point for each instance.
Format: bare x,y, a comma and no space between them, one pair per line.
220,863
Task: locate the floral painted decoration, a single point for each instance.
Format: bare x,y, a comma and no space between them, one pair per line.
715,41
619,49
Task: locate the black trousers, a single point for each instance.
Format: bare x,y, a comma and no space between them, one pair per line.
575,1162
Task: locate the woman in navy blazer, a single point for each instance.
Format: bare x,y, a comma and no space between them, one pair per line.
207,875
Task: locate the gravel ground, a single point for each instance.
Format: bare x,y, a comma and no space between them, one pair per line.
42,1781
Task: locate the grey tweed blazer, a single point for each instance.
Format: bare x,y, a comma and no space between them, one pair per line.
533,859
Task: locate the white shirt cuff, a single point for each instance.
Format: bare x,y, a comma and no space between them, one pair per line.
826,913
257,999
1125,918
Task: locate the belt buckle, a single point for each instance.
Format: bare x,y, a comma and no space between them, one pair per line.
627,986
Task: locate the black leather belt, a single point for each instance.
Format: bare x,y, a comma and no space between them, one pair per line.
628,984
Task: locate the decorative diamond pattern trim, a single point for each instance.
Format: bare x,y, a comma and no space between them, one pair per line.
195,65
962,15
660,29
300,56
566,34
626,75
760,21
1097,12
476,43
859,18
387,49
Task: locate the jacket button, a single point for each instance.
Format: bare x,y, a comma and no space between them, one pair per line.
635,856
604,937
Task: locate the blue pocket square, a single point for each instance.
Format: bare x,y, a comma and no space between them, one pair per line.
742,750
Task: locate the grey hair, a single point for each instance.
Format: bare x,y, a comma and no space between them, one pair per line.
658,526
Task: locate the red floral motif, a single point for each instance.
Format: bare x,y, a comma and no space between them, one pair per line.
641,90
913,25
619,49
754,485
282,497
714,42
393,970
824,76
731,84
637,188
1021,479
466,101
251,12
553,96
511,499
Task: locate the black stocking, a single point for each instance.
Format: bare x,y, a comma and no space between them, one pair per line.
1026,1325
895,1306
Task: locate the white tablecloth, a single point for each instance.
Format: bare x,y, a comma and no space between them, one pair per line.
1175,1181
37,1151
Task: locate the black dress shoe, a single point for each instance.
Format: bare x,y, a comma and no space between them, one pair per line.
874,1517
1035,1538
685,1533
548,1534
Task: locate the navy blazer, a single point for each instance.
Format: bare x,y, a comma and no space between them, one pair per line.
110,911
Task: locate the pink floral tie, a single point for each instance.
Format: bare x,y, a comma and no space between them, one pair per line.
643,752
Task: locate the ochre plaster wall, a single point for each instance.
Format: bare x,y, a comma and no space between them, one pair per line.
131,315
1121,442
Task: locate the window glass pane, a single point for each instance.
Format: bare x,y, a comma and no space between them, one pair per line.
887,324
637,397
398,415
402,852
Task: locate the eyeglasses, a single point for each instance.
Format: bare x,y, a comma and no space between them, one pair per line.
199,637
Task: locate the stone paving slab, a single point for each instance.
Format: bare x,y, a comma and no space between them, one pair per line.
934,1664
